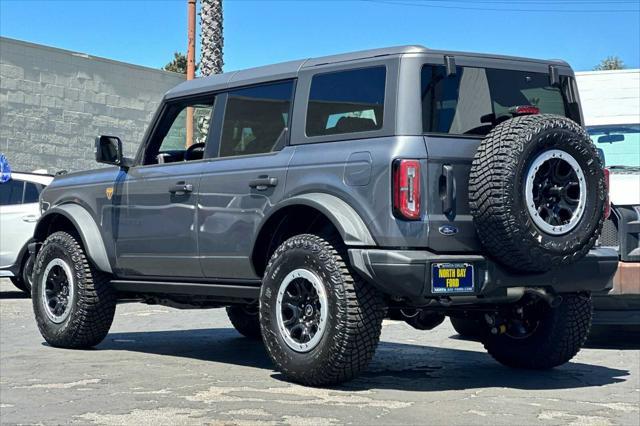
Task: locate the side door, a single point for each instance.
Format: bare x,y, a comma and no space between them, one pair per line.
246,179
19,213
156,232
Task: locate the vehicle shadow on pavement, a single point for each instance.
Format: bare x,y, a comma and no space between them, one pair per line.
395,366
17,294
613,337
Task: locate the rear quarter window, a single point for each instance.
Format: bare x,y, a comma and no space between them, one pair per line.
31,192
346,102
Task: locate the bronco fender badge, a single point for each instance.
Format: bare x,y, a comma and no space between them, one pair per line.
448,230
109,192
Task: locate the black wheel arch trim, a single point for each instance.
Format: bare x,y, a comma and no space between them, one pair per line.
86,227
347,221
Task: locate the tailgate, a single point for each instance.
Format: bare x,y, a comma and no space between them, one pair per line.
450,223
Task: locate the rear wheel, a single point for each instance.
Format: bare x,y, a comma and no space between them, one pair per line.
320,322
542,337
245,319
74,303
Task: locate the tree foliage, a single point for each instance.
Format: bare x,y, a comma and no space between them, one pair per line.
610,63
178,64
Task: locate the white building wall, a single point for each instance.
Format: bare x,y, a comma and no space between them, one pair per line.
610,97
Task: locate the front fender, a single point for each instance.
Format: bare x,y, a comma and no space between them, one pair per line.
86,227
347,221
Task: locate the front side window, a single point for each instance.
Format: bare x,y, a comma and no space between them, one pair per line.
346,102
620,144
11,192
256,119
475,100
182,133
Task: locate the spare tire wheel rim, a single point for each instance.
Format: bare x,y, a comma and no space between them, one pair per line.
57,290
301,310
555,192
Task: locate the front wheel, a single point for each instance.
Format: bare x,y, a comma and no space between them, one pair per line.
542,337
74,303
320,322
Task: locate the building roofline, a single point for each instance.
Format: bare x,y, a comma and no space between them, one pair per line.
86,56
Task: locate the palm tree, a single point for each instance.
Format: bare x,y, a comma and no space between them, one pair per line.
212,40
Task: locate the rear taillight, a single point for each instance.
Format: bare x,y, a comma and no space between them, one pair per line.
607,202
406,189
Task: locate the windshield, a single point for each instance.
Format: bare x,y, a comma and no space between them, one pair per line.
620,144
474,100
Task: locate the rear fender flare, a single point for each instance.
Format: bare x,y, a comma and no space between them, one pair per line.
347,221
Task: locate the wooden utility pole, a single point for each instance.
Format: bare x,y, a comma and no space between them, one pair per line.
191,62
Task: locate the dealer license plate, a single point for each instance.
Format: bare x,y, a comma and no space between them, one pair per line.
452,278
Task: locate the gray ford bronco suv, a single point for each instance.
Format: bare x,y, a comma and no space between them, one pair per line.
315,198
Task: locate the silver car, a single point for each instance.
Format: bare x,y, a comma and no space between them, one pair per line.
19,212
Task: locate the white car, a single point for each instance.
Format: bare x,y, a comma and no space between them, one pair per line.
611,106
19,212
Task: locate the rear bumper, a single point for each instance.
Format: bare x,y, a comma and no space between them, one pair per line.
621,304
407,274
627,279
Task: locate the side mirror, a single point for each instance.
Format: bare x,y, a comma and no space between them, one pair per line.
611,138
109,151
600,152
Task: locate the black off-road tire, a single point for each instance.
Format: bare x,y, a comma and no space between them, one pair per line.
246,320
558,338
497,193
468,327
354,321
93,305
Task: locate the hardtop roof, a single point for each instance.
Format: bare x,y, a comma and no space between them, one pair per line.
290,69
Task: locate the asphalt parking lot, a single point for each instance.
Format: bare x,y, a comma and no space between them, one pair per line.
163,366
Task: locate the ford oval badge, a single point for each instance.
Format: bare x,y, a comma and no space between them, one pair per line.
448,230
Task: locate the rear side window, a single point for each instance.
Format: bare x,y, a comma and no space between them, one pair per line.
256,119
31,192
346,102
475,100
11,192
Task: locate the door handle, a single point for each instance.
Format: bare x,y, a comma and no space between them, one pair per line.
263,183
30,218
181,188
448,193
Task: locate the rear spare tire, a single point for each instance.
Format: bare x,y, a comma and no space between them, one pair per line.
537,192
